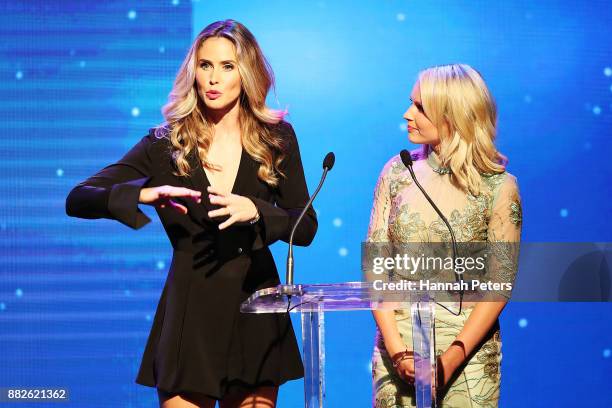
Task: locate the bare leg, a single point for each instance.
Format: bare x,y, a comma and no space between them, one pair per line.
187,400
262,397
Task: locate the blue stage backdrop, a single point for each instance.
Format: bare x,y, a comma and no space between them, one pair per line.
84,81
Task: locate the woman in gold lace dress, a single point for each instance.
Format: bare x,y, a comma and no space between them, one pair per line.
453,116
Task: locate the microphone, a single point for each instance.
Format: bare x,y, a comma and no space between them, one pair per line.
328,164
407,161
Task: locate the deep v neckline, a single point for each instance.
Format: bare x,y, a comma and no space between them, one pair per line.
236,178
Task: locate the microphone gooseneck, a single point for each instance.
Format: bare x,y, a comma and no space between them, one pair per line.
328,164
407,161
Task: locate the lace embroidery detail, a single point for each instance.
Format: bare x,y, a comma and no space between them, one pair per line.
488,355
399,179
516,213
469,224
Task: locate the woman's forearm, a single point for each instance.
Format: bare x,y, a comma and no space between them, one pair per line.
385,320
478,324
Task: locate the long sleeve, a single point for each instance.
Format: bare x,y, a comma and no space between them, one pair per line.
292,195
504,233
114,191
377,245
379,217
507,216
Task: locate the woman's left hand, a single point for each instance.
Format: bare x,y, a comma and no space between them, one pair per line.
447,364
239,208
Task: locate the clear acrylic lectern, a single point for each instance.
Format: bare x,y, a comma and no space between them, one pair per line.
313,300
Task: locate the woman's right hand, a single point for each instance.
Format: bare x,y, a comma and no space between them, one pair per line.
404,365
162,197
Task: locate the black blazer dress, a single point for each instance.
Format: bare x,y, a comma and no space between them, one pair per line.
199,340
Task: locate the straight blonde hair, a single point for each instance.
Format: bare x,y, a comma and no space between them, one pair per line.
457,101
187,125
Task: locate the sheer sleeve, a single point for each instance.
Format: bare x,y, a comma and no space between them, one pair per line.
379,218
504,235
114,191
506,217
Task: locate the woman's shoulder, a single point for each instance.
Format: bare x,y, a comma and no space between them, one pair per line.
503,183
282,129
510,181
283,132
159,133
158,137
392,168
395,166
155,143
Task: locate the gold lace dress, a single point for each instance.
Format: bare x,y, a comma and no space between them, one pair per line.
401,214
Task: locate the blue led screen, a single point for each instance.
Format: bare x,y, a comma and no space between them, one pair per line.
83,81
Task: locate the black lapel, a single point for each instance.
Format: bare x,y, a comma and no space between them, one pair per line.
242,173
197,178
198,181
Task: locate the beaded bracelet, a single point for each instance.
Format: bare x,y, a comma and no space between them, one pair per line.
254,220
401,356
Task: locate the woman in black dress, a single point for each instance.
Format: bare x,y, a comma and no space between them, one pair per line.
225,176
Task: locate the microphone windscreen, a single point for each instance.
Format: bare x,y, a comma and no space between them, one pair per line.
328,162
406,158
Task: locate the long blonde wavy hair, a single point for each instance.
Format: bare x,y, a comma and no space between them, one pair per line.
457,101
186,123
